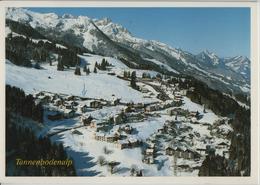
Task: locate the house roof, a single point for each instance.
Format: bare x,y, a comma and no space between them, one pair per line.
66,111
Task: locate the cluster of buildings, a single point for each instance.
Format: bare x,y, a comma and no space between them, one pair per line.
182,152
67,106
119,141
149,153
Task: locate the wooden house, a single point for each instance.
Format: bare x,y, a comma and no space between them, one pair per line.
127,129
56,116
201,151
83,108
58,102
183,92
151,108
95,104
100,136
44,99
149,151
76,132
70,98
133,142
115,101
222,145
148,160
68,113
118,119
86,120
121,144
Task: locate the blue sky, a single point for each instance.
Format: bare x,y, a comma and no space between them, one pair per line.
224,31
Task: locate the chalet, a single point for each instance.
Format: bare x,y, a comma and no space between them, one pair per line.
138,106
133,142
182,153
70,98
151,108
189,154
127,129
168,104
128,143
109,138
112,137
39,94
69,113
149,151
94,123
76,132
121,144
83,108
176,151
222,145
115,101
100,136
128,109
95,104
54,97
102,128
67,106
118,119
58,102
71,104
56,116
148,160
183,92
151,145
201,151
44,99
144,90
171,112
86,120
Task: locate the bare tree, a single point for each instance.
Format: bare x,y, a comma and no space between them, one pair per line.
101,160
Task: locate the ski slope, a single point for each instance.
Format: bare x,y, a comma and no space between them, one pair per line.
100,85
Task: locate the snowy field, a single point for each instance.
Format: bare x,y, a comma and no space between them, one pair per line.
98,85
84,149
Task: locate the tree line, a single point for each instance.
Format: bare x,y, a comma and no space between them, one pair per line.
20,103
21,142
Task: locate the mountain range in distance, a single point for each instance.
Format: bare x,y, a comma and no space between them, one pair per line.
103,37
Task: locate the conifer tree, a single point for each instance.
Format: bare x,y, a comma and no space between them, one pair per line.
95,70
77,71
60,66
133,80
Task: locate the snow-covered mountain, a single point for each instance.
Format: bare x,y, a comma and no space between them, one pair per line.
106,38
239,64
208,58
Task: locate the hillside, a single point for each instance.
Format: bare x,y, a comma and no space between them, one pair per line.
124,106
104,37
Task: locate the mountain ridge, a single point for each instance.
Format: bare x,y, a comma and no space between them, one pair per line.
109,39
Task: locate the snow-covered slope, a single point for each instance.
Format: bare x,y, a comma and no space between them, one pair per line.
110,39
239,64
96,85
